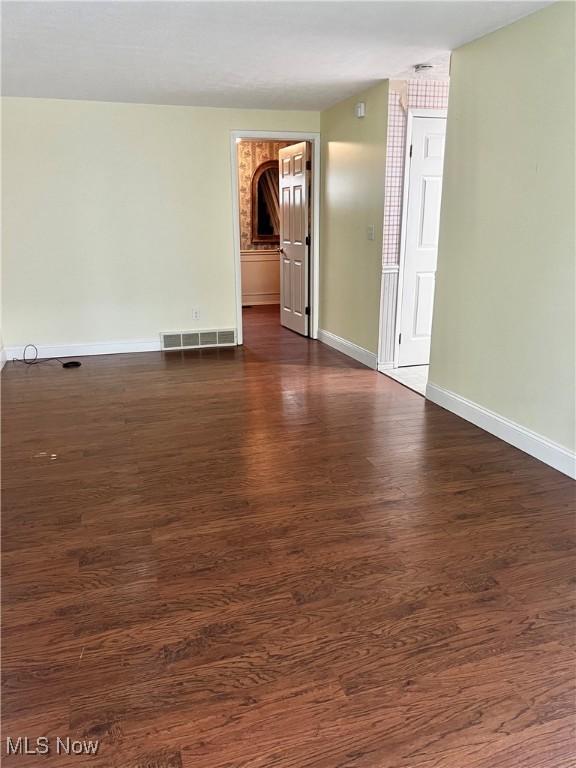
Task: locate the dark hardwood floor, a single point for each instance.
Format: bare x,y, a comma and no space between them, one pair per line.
273,557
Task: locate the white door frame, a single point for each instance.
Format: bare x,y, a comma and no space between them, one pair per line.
314,139
412,113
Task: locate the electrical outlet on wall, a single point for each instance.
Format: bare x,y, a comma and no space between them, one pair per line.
371,232
195,314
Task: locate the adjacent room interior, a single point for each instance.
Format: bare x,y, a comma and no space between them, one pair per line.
305,497
259,222
274,232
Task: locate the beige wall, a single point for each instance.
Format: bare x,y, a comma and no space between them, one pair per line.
260,277
117,218
504,323
353,161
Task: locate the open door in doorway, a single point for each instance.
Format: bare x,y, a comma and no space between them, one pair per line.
424,192
294,169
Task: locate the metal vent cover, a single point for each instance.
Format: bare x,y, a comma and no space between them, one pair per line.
190,339
197,339
171,341
226,337
208,338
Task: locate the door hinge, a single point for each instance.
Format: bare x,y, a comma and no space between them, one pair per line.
307,239
307,311
399,338
410,150
308,165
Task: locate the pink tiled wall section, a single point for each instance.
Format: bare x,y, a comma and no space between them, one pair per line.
428,93
422,94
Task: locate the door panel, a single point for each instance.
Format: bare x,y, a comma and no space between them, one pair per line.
430,212
298,216
424,304
297,281
294,232
434,145
424,181
285,228
299,164
286,283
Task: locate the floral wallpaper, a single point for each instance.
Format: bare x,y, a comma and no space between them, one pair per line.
251,154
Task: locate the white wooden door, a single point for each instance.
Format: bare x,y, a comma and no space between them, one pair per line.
424,194
294,167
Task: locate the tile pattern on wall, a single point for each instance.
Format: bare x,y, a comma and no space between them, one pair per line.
251,154
394,179
421,94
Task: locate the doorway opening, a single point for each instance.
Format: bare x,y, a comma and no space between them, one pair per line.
275,185
414,167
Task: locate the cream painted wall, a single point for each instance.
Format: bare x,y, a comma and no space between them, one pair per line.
2,350
504,318
353,161
118,218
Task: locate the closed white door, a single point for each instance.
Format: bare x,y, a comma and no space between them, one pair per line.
294,167
424,194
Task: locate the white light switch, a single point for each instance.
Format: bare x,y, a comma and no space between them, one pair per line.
371,232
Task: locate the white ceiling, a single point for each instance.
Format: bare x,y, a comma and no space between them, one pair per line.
275,55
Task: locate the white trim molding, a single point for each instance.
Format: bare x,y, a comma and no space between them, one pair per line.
348,348
2,357
387,321
536,445
91,348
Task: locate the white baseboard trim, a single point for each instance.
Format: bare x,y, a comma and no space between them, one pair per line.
2,357
348,348
536,445
260,299
95,348
383,367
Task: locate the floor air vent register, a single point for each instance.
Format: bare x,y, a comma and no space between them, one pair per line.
198,339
